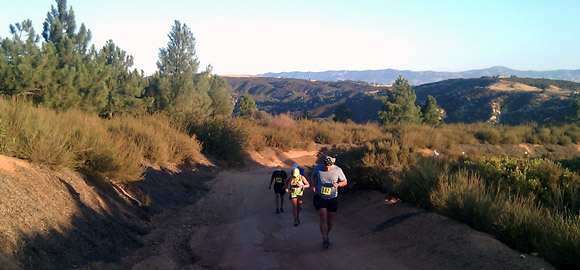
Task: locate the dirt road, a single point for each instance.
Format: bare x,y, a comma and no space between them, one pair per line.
234,227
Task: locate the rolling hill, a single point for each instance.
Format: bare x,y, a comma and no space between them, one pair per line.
502,100
498,99
318,98
388,76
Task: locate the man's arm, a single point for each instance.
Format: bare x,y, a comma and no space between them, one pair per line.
286,181
341,180
314,179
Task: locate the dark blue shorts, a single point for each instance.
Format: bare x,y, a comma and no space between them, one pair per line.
331,205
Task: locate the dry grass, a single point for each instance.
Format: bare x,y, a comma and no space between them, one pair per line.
105,149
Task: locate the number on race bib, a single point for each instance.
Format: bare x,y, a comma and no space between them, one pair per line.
325,190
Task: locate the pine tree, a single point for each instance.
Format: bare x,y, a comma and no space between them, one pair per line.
21,62
247,106
64,72
399,104
429,112
221,101
123,89
179,90
59,28
342,113
70,62
575,117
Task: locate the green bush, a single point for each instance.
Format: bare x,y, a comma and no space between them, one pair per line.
419,180
519,221
463,195
223,138
560,243
547,181
375,164
489,135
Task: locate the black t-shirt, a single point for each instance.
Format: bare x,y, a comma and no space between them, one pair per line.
279,177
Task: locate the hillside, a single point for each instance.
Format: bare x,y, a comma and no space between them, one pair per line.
508,100
319,98
504,100
388,76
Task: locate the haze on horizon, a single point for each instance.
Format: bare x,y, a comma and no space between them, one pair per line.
239,37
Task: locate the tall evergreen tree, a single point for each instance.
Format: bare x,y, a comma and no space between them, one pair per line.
71,70
177,87
399,104
123,88
429,111
22,62
63,72
59,28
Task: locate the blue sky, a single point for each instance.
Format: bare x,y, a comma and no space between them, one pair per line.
252,37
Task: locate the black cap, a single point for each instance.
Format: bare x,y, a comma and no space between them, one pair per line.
328,160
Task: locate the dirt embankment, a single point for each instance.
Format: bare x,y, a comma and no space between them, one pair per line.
229,223
57,219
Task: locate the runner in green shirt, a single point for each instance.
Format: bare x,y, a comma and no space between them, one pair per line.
297,184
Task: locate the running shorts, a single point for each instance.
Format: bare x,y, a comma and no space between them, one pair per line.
279,189
331,205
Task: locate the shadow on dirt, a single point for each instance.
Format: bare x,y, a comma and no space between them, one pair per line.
112,234
396,220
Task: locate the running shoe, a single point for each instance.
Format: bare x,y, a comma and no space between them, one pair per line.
281,210
296,223
277,211
325,244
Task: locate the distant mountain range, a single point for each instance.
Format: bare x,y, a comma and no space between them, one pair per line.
388,76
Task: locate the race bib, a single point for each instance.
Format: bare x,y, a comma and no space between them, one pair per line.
325,190
278,180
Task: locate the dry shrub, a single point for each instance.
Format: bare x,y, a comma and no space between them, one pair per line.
39,134
419,179
282,121
358,134
159,142
223,138
102,149
463,196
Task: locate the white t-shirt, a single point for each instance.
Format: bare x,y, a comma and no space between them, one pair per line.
325,180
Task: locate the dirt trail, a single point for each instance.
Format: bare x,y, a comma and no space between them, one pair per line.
254,237
234,227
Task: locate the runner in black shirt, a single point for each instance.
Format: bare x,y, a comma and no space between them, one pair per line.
278,177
